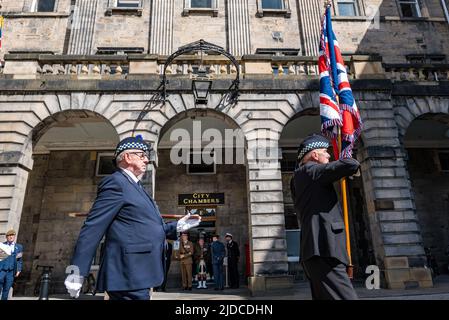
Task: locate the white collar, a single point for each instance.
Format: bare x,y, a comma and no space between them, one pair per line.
131,175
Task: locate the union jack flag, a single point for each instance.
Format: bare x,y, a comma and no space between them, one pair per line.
337,104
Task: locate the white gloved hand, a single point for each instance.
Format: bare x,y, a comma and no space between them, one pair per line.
187,222
73,284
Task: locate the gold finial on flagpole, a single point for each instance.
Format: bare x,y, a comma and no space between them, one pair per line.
327,3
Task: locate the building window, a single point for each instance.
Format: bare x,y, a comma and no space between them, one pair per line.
43,6
293,244
281,52
105,165
124,7
347,8
289,159
197,165
409,8
201,3
200,6
272,4
273,7
129,4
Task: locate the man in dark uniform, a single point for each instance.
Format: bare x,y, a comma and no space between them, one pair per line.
233,252
323,239
135,231
218,253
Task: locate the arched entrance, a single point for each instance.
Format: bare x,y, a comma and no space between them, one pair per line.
427,143
72,152
211,180
301,125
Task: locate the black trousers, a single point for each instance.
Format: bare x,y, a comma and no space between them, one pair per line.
328,279
233,273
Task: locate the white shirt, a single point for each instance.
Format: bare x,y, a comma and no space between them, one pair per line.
131,175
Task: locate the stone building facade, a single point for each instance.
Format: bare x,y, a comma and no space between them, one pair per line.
76,74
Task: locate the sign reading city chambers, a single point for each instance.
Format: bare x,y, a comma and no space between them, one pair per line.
200,199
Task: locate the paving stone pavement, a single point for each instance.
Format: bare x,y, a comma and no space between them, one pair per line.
300,291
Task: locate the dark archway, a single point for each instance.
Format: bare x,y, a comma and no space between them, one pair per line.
301,125
427,143
71,154
224,178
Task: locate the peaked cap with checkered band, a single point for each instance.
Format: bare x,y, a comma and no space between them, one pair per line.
312,142
135,143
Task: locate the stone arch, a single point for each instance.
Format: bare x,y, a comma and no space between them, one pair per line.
41,203
24,118
269,111
172,179
192,113
426,143
41,128
415,107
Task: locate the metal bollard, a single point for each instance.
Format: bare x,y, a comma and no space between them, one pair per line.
45,282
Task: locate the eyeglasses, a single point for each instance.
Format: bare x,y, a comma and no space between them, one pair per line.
141,155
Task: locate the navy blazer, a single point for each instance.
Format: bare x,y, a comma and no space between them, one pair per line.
135,237
218,252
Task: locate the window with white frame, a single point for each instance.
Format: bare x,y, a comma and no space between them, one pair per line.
124,7
273,7
347,8
43,6
129,3
202,6
409,8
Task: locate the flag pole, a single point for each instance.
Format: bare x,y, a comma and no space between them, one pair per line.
350,268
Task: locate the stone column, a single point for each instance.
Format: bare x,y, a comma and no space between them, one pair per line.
238,27
310,12
269,265
394,225
161,30
14,169
82,28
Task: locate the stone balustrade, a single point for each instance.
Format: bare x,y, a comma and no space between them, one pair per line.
34,65
417,72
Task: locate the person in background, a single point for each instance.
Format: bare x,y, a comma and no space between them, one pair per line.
218,254
185,255
233,251
202,255
10,264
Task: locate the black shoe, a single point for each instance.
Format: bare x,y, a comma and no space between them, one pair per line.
216,289
190,288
